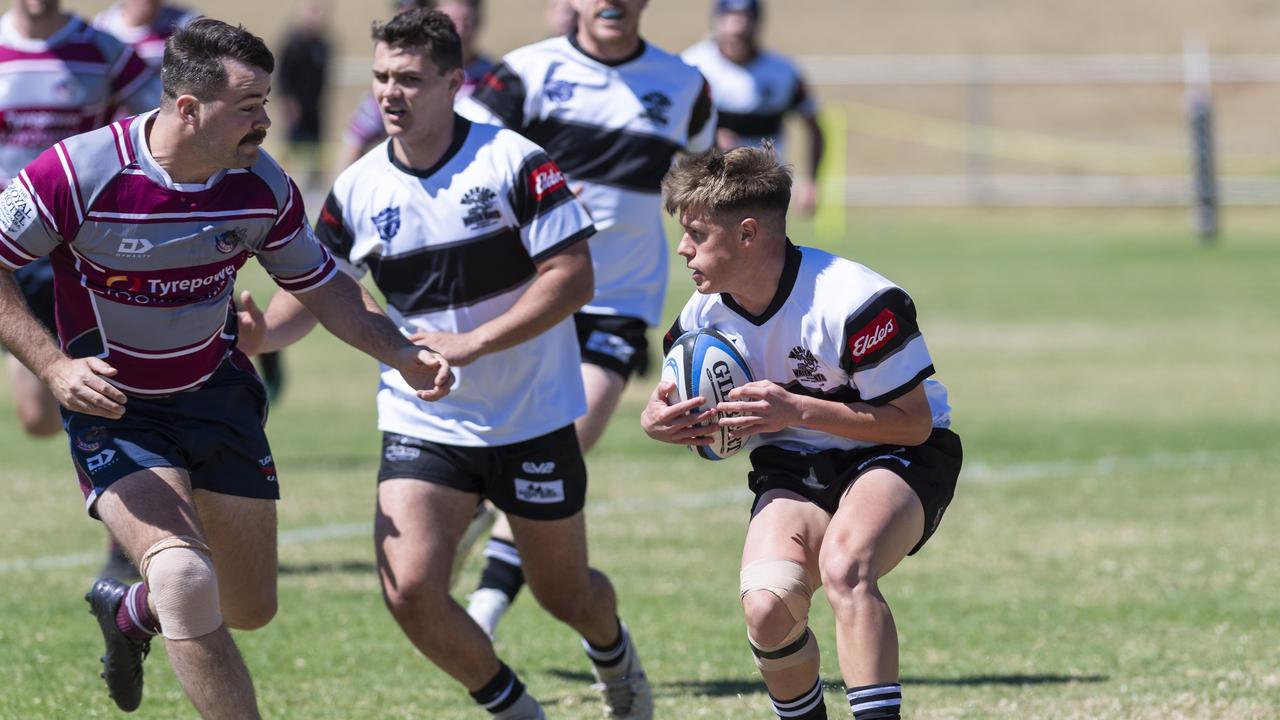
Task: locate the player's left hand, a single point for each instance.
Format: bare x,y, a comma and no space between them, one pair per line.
458,348
252,325
758,407
426,371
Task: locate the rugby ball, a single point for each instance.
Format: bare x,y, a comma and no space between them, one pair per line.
703,363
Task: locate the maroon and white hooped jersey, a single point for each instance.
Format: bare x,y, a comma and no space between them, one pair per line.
71,82
148,40
145,267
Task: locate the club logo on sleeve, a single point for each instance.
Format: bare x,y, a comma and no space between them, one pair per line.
875,335
545,179
388,223
16,210
546,492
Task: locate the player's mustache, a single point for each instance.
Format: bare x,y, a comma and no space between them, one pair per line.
255,137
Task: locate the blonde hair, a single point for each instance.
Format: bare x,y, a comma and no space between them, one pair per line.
742,179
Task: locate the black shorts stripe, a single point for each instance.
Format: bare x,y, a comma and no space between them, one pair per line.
626,160
455,275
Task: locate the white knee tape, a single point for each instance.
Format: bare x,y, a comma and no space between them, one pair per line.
790,583
183,587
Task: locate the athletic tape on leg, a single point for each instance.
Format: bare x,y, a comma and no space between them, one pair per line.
183,587
790,583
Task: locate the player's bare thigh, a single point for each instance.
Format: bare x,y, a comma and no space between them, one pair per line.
879,520
553,554
785,526
416,531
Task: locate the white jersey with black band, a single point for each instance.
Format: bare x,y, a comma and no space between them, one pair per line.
451,248
614,128
835,330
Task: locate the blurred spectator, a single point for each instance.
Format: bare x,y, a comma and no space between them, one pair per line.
754,88
303,73
145,25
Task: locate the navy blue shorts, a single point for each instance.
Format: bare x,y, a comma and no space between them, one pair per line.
36,283
214,432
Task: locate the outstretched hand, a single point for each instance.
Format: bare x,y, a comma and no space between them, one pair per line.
78,386
680,424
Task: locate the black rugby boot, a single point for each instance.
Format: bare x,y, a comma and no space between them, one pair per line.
122,659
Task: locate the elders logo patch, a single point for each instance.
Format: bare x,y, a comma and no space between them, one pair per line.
545,179
875,335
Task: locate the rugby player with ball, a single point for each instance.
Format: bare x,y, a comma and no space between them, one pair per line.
853,462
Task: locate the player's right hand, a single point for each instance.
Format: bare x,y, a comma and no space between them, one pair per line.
426,371
79,387
682,423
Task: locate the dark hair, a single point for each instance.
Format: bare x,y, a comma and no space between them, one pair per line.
428,30
193,57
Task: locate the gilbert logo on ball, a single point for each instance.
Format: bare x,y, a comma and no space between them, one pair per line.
704,363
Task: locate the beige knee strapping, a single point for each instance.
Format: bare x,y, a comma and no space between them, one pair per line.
789,582
183,587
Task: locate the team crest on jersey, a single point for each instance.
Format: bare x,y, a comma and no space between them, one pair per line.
806,365
91,439
657,107
482,208
559,91
387,222
229,240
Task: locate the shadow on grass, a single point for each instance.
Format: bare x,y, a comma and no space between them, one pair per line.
728,687
317,568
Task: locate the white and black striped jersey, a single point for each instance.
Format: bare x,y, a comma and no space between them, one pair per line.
753,99
451,248
614,128
835,330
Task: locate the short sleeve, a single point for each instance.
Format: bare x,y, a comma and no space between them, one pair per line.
334,234
884,352
502,93
291,254
24,235
550,217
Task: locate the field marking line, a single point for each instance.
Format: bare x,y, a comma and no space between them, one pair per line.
980,472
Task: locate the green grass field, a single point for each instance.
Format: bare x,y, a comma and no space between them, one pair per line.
1111,551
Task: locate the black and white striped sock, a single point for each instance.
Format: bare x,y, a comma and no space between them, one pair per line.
610,661
809,706
500,693
876,702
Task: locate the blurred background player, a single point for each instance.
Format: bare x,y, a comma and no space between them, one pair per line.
754,89
612,110
560,17
144,25
303,75
365,128
60,95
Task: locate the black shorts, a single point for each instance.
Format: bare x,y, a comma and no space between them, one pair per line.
614,342
36,283
930,469
214,432
541,479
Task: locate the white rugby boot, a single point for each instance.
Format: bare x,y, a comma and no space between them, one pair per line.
526,708
487,606
480,523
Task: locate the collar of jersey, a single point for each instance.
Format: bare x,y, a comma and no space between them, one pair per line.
10,37
790,270
152,168
461,127
573,40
